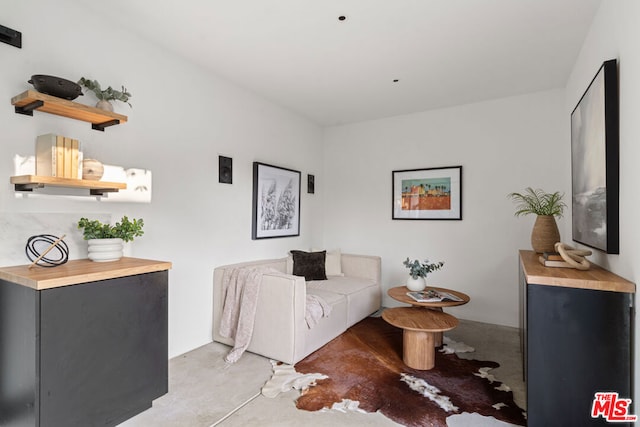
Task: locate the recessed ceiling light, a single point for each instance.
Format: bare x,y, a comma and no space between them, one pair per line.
342,18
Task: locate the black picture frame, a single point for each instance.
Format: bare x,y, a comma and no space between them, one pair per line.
595,163
427,194
276,202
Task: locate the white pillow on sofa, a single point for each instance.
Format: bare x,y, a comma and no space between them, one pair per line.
333,262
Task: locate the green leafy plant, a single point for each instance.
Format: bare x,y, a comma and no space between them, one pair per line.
538,202
125,229
108,94
421,269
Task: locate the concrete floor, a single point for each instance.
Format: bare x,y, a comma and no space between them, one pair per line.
205,392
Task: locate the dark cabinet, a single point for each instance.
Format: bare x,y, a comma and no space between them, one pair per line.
577,340
89,354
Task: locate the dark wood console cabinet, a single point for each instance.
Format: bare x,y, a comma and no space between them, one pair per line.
577,339
82,344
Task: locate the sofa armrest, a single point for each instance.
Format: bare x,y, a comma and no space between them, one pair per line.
279,328
365,266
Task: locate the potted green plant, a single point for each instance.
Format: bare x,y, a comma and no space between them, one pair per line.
105,240
546,206
418,272
105,95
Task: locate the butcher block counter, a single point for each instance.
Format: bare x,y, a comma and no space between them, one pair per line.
79,271
576,339
84,343
596,278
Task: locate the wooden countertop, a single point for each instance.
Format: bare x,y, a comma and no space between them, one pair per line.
79,271
596,278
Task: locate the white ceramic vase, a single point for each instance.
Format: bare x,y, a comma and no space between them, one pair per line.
416,284
105,105
105,250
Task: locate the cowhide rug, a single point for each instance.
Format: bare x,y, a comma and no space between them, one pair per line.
362,369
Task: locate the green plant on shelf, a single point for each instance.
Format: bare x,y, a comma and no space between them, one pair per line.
108,94
125,229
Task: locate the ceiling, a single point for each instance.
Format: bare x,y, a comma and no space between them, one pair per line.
300,55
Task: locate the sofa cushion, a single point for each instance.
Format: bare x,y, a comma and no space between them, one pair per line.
311,265
343,285
331,298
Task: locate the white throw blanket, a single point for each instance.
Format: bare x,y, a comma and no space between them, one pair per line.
240,287
316,308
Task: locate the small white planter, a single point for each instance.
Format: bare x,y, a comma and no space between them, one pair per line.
105,250
416,284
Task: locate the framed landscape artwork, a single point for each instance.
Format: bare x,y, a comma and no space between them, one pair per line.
276,202
432,193
595,163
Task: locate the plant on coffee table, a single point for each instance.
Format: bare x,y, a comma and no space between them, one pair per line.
418,272
421,269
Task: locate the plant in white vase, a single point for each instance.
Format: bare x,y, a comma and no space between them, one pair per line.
106,240
105,95
418,272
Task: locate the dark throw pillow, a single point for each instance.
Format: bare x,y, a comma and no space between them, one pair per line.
309,264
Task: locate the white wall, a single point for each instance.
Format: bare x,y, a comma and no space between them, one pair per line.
182,118
503,145
614,34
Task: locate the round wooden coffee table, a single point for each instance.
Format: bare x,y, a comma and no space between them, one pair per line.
399,293
419,327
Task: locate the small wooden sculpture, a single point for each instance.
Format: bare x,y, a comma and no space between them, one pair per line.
574,257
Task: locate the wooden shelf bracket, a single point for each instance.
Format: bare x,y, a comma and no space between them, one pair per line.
101,126
27,187
27,110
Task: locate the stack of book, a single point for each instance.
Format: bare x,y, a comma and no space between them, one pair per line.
58,156
553,259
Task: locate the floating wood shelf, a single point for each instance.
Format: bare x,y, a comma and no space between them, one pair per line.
96,188
31,100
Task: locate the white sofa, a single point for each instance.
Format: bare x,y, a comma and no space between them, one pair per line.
280,330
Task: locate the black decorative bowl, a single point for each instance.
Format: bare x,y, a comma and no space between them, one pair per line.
56,86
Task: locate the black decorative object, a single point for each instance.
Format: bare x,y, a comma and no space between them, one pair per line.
225,170
276,202
595,156
56,86
10,37
311,184
37,243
